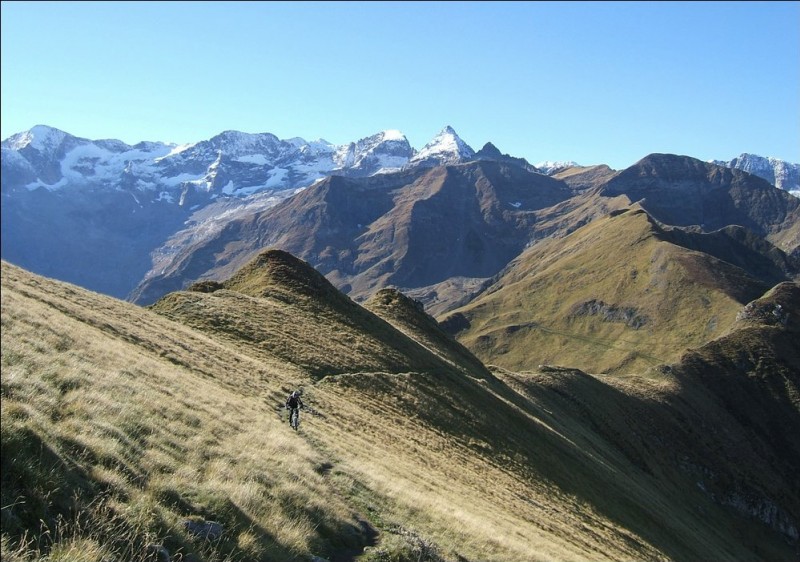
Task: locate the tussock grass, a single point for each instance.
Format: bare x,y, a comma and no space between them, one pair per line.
87,415
119,425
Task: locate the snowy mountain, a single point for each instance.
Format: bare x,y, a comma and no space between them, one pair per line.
550,167
781,174
382,153
230,164
102,213
445,148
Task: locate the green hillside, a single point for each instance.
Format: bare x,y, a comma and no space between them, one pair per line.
619,295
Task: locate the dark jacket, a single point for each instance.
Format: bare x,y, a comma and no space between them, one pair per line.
294,402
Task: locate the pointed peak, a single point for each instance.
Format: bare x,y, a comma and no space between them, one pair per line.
445,148
279,274
489,151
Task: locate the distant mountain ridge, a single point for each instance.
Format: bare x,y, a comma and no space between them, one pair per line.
98,213
239,164
781,174
107,215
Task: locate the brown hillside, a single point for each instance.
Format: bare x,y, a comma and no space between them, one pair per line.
683,191
411,229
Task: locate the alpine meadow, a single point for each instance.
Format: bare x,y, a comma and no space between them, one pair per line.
156,433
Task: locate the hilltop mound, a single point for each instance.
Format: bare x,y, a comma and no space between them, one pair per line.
279,306
280,275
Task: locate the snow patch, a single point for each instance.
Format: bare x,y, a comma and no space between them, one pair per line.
551,166
259,159
277,176
176,149
181,178
48,186
393,135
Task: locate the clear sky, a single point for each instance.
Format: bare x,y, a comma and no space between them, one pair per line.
594,82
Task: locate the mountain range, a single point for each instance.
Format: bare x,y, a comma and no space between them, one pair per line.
501,361
117,218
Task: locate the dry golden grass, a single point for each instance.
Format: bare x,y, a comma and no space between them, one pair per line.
158,417
137,423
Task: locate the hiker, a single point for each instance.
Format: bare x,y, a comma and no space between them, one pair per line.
293,403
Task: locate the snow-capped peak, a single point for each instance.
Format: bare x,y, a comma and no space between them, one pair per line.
382,152
445,148
549,167
393,135
40,137
781,174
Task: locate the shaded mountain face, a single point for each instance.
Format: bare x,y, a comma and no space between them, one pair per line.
753,374
620,294
683,191
412,229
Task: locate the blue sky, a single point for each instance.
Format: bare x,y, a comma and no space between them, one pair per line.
594,82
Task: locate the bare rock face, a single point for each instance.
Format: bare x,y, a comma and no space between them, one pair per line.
409,229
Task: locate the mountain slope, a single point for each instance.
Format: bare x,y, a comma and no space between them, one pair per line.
411,229
618,295
684,191
275,297
154,423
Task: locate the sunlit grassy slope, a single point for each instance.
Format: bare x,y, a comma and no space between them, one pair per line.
119,424
616,296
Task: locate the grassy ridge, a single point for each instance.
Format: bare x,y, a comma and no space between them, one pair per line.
138,423
614,297
120,424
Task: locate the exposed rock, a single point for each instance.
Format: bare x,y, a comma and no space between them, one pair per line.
611,313
209,530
